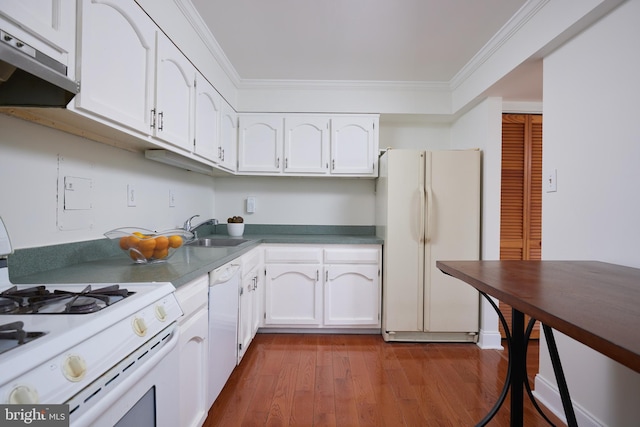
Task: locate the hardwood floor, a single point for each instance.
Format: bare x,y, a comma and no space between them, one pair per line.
359,380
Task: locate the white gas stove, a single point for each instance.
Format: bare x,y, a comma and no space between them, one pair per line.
74,343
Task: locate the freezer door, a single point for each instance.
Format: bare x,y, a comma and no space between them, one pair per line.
399,214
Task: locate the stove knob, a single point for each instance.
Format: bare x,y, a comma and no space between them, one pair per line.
161,313
23,395
74,368
139,327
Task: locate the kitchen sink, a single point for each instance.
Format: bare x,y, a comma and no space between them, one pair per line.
216,243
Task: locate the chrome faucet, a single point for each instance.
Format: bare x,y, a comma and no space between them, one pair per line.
192,228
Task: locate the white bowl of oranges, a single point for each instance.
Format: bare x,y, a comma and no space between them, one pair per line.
146,246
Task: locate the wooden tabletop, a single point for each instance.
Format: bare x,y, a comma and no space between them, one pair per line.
593,302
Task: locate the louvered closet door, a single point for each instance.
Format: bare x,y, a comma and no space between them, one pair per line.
521,194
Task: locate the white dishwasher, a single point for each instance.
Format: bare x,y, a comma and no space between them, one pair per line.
224,285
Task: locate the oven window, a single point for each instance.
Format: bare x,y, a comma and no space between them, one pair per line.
143,413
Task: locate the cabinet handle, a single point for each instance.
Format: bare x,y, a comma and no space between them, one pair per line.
286,162
317,275
333,164
153,118
219,152
223,154
278,162
161,121
326,276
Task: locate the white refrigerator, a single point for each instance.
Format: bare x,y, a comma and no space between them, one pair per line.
428,209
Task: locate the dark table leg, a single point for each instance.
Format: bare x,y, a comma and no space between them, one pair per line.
519,367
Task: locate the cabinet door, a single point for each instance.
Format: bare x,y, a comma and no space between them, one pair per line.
258,300
354,146
306,144
246,315
51,26
193,369
207,120
228,147
292,295
260,144
117,57
175,81
351,295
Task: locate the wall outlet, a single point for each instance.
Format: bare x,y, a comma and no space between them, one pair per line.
131,195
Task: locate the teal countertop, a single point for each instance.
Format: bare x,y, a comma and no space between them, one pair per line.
113,266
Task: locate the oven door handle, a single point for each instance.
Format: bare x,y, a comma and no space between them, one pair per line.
112,396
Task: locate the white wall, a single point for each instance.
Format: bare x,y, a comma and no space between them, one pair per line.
29,172
481,128
591,117
300,201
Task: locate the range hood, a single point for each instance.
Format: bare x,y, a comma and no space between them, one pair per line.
29,78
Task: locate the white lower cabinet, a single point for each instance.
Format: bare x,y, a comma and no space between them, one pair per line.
293,295
330,286
351,295
194,352
250,304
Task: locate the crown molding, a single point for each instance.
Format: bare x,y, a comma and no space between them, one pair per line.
517,21
269,84
203,32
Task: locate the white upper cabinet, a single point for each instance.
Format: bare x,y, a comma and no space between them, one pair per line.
50,27
207,120
228,146
260,143
354,145
117,63
306,144
133,76
172,119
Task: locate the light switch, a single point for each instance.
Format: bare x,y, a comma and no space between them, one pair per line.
251,204
551,181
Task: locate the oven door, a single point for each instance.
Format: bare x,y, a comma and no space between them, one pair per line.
146,398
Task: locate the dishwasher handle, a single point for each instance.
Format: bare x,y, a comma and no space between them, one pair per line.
223,274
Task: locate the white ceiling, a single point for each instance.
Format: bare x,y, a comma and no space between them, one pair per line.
361,40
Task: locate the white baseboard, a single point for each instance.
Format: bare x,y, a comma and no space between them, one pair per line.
490,340
548,395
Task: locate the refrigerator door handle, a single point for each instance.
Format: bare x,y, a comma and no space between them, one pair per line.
422,218
429,213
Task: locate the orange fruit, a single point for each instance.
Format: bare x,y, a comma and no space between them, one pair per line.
175,241
133,241
160,253
138,234
136,256
162,242
124,243
147,253
147,245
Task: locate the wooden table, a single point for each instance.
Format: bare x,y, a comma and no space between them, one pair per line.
595,303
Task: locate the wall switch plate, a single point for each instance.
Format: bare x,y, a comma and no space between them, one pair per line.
131,195
172,198
551,181
251,204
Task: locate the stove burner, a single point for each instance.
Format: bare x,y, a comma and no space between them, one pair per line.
13,335
39,300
